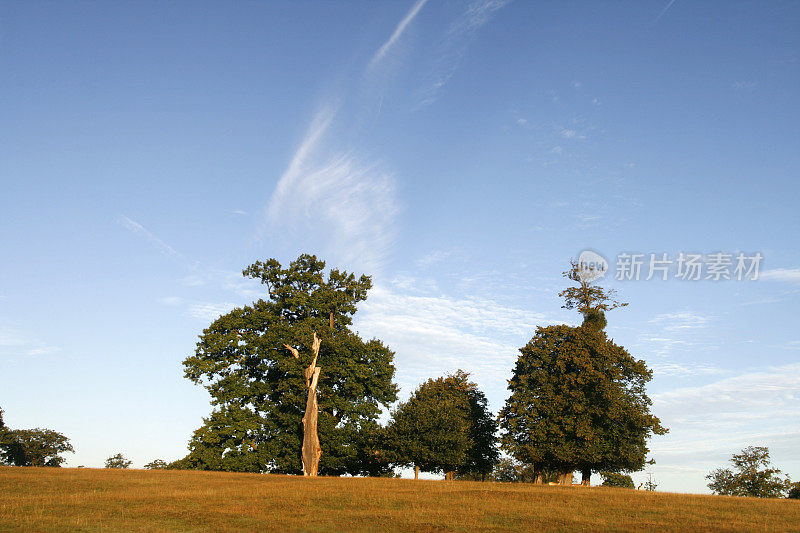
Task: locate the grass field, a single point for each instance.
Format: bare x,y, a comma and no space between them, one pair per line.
48,499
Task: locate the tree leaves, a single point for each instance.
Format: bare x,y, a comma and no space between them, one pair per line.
258,387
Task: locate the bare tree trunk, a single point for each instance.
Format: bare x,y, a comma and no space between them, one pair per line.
311,448
311,451
416,471
538,479
565,478
449,476
586,475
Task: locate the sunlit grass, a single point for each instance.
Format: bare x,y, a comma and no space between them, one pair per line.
51,499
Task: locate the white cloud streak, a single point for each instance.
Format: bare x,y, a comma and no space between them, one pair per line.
433,335
398,32
140,230
342,204
786,275
455,43
210,311
13,342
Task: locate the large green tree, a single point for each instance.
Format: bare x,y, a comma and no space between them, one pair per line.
578,400
36,447
258,388
753,476
445,426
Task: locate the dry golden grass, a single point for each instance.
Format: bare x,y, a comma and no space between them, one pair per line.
48,499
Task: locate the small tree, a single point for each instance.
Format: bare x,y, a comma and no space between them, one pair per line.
118,461
156,464
794,491
650,485
445,426
752,476
615,479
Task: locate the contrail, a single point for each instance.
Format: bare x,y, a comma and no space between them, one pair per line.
398,31
665,9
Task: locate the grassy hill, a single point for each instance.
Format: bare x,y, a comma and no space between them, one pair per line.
47,499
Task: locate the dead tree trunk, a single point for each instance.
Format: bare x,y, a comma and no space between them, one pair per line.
416,471
311,451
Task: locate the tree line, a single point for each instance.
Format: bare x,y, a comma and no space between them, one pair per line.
577,400
292,384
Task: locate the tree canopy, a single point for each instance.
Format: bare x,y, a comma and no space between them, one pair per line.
118,461
35,447
578,400
445,426
752,476
258,388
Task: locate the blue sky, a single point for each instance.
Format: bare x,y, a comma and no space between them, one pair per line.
461,152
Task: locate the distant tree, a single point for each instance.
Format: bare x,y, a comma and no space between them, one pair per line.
650,485
510,470
34,447
118,461
615,479
794,491
507,470
156,464
578,400
445,426
752,476
259,389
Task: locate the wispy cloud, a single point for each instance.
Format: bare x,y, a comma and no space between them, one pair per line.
210,311
745,86
681,321
437,334
432,258
787,275
345,205
398,32
140,230
677,369
13,342
760,394
455,43
664,11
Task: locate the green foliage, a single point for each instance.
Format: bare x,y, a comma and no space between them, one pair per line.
591,301
258,388
156,464
794,491
578,400
445,426
11,451
32,447
615,479
118,461
752,476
